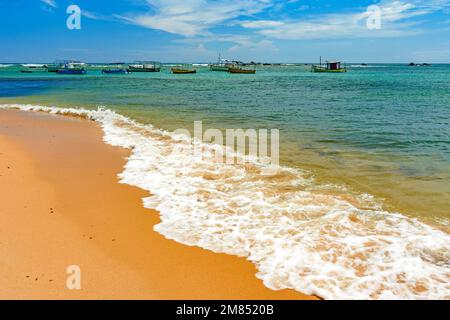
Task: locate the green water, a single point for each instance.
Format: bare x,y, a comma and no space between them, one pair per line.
382,130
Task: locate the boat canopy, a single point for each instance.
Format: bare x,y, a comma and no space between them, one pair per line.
333,65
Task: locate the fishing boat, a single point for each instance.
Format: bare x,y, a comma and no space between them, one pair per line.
236,69
145,67
71,71
183,71
116,68
330,66
116,71
72,68
61,64
221,65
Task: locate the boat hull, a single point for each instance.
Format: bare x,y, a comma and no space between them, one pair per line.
69,71
219,68
322,70
183,71
241,71
116,71
134,69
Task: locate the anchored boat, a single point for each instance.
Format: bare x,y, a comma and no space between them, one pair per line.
116,68
116,71
330,66
221,65
236,69
72,68
71,71
183,70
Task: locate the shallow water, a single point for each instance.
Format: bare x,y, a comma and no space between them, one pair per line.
382,130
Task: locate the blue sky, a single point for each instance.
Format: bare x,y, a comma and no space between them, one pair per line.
198,30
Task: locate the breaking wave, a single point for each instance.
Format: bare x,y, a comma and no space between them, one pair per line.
297,234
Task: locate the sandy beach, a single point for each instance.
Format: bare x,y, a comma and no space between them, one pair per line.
62,205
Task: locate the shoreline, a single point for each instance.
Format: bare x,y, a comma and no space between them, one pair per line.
75,212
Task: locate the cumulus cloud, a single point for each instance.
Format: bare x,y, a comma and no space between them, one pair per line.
395,17
193,17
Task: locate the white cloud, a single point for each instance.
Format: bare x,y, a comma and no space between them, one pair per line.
194,17
93,15
258,24
51,3
395,18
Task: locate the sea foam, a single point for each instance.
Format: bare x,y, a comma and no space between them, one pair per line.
297,235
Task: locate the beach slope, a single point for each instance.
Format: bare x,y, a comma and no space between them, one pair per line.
61,205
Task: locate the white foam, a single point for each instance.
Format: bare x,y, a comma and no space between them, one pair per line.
297,235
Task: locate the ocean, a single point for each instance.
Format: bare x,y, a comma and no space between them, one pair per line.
360,206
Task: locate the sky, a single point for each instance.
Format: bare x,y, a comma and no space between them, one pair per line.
249,30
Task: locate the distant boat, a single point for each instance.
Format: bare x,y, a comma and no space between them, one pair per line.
118,68
71,71
72,68
330,66
183,71
61,64
235,69
145,67
216,67
221,65
116,71
412,64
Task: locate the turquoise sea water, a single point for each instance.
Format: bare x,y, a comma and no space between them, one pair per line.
365,146
380,129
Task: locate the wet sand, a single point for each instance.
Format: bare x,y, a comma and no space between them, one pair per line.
61,205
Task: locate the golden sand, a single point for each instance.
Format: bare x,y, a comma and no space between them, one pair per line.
61,205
